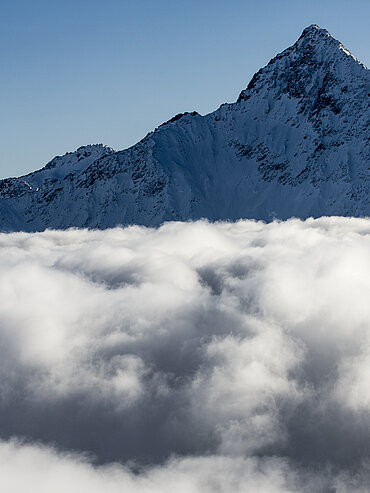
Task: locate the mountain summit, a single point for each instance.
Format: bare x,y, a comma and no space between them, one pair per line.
296,143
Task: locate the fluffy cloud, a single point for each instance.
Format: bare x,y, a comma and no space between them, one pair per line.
235,356
46,471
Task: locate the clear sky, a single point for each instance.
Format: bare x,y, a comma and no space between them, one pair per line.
76,72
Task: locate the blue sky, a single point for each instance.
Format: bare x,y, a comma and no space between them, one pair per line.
75,72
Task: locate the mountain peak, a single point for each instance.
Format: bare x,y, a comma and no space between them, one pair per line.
314,57
320,39
314,30
317,37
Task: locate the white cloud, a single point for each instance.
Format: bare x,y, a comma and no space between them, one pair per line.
28,468
219,342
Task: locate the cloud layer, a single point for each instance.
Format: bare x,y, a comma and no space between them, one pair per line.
235,356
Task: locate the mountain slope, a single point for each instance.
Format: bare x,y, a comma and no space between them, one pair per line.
296,143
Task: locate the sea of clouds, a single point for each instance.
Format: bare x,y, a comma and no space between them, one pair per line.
192,358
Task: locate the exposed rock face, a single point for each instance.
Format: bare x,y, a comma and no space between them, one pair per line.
296,143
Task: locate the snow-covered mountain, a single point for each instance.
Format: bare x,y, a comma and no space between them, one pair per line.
296,143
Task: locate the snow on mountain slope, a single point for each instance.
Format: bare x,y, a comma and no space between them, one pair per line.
296,143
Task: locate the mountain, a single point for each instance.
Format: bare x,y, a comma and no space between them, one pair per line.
295,143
